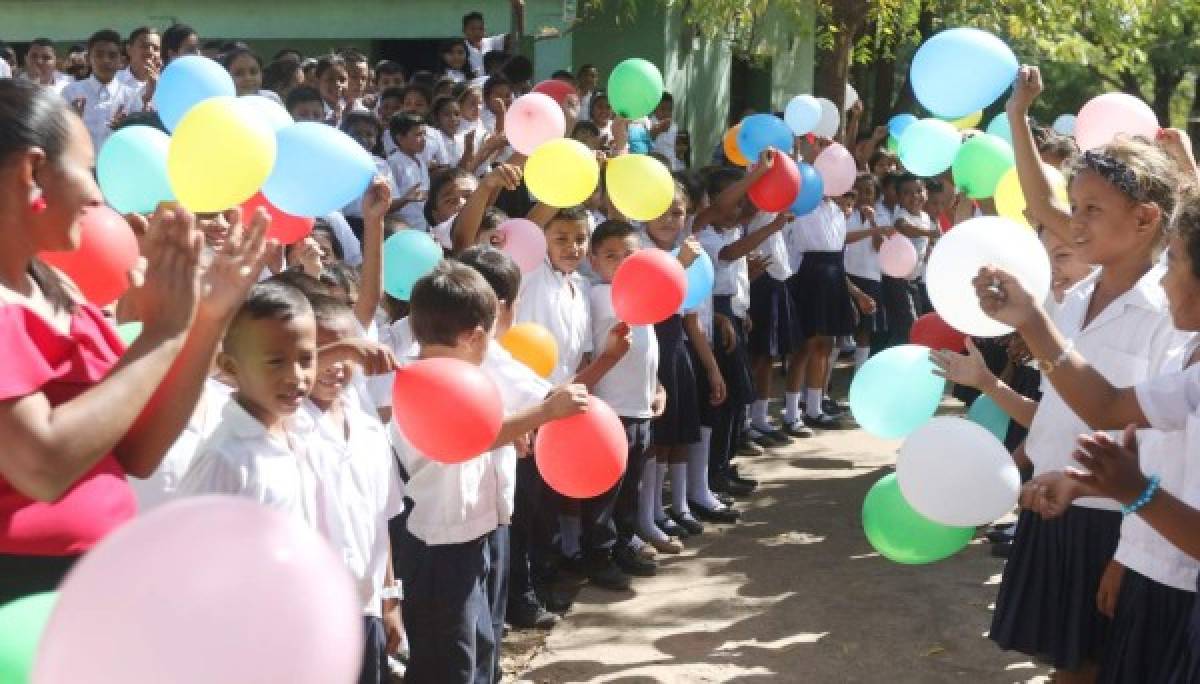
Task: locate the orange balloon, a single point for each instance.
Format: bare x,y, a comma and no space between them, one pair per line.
732,153
532,345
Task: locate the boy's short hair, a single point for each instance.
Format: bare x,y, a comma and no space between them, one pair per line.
174,36
497,268
494,59
403,123
301,94
490,85
587,127
904,179
569,214
270,299
328,62
470,17
104,36
420,89
611,229
329,311
451,300
288,53
387,67
139,32
352,54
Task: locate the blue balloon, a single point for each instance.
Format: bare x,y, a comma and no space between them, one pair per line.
1000,128
700,279
802,114
640,141
812,190
408,255
318,169
985,412
185,83
132,169
962,70
928,147
895,391
898,123
760,131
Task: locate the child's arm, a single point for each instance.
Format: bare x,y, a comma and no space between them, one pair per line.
750,242
466,226
1178,146
375,205
872,230
562,402
970,370
541,214
849,132
716,383
512,40
1039,194
865,302
914,231
616,346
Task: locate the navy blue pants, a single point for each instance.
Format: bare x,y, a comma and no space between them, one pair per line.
637,435
534,523
375,668
497,590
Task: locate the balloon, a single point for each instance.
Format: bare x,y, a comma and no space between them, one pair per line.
837,168
700,279
227,590
961,70
895,391
1111,114
955,472
893,144
648,287
986,413
978,242
802,114
220,155
408,256
931,331
777,189
831,119
532,345
285,228
532,120
899,123
525,242
980,164
639,186
448,410
582,456
730,146
107,251
812,190
185,83
22,622
1064,124
851,97
558,90
757,132
966,122
903,535
268,110
635,87
929,146
1000,128
128,332
897,256
1010,202
320,169
132,169
562,173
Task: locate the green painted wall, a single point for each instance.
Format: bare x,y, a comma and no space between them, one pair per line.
792,60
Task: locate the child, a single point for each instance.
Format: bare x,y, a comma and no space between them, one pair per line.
600,112
358,74
863,239
389,103
102,101
305,104
388,75
455,65
143,48
497,99
282,76
772,316
663,131
444,147
408,169
331,83
909,219
246,69
448,194
416,100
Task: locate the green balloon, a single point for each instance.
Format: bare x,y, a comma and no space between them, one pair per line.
985,412
901,534
893,144
980,164
635,87
128,332
21,625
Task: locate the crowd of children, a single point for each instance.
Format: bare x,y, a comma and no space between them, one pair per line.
296,411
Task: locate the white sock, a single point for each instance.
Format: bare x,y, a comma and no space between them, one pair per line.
812,402
860,357
646,508
679,489
698,455
791,407
571,529
758,413
660,474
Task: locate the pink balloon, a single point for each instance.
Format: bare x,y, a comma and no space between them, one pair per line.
1110,114
524,242
837,168
897,256
205,589
532,120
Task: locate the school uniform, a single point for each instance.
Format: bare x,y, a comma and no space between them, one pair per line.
916,281
558,302
898,306
1046,606
486,45
350,243
862,266
58,81
664,143
352,212
102,103
410,172
820,296
772,313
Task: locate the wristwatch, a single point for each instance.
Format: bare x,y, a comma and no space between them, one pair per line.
1047,366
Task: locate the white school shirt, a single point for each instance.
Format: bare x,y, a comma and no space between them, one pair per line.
398,337
774,247
1164,453
558,302
486,45
59,81
862,259
821,230
126,77
520,388
351,247
102,102
921,244
409,173
447,149
357,492
354,208
241,458
5,69
630,385
1128,342
725,273
664,143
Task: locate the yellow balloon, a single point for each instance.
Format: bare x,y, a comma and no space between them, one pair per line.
562,173
220,155
1010,202
968,121
532,345
640,187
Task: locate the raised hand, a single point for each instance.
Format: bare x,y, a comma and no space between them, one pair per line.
171,289
236,265
689,251
377,199
567,401
503,177
1003,297
1026,88
969,370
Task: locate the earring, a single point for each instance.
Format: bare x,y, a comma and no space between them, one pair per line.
37,203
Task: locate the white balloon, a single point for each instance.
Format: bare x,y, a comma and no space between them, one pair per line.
955,472
973,244
1064,124
831,119
851,96
268,110
802,114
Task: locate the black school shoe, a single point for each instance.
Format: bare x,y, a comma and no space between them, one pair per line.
831,407
722,516
825,422
721,483
529,615
604,573
672,528
797,428
553,600
737,477
632,563
687,522
747,447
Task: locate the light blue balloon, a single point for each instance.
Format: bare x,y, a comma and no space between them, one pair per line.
961,70
268,110
185,83
318,169
802,114
812,190
640,141
898,123
700,279
408,255
1000,128
928,147
895,391
132,169
985,412
760,131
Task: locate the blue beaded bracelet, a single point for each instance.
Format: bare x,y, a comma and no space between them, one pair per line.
1150,491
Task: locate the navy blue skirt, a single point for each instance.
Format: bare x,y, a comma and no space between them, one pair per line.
679,425
734,365
1149,636
876,322
773,331
821,298
1187,668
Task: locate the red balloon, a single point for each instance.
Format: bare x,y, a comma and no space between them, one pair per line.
933,332
285,228
448,409
582,456
777,189
648,287
557,89
107,251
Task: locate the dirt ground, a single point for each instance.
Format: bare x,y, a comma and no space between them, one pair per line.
792,594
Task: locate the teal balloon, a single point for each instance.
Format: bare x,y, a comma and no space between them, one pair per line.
899,123
961,70
1000,128
318,169
928,146
128,332
760,131
186,82
635,87
903,535
132,170
812,190
895,391
986,413
700,278
21,625
980,164
408,255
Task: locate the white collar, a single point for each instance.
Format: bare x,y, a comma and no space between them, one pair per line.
1146,293
246,426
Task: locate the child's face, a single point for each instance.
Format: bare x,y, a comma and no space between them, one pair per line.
588,138
1103,221
449,118
366,134
913,197
452,197
665,229
588,79
502,93
1181,285
883,166
474,31
389,107
846,202
566,244
415,103
333,380
274,364
934,205
146,50
413,142
357,75
608,255
663,111
393,80
470,103
309,110
1066,268
247,75
602,112
332,84
105,59
40,60
455,56
865,190
890,196
214,227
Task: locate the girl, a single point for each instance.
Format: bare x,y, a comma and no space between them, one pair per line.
282,75
454,61
448,193
443,135
600,112
864,235
331,83
246,69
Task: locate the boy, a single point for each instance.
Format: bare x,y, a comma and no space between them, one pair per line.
408,169
416,100
479,43
102,101
497,99
663,130
144,49
358,74
391,102
910,220
41,65
305,104
389,74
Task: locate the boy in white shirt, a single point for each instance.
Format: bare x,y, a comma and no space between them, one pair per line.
144,49
409,171
40,66
663,131
910,220
102,101
479,43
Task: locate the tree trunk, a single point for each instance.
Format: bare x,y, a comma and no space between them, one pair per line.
885,90
833,65
1193,125
1166,81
